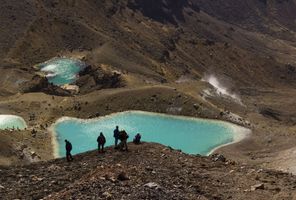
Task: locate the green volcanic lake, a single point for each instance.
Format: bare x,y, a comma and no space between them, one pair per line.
191,135
12,122
61,71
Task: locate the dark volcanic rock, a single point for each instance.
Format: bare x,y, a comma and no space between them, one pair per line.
268,112
95,78
37,84
122,176
41,84
218,157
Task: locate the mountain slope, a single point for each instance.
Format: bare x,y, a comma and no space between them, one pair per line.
163,52
159,39
274,17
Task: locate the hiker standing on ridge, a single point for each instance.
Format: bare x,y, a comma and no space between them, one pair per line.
116,136
68,151
101,142
123,136
137,139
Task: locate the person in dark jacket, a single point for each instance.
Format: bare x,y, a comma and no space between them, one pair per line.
123,136
116,136
137,139
68,151
101,142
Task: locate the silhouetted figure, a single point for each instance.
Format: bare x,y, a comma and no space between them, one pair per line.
101,142
33,132
116,136
137,139
123,136
68,151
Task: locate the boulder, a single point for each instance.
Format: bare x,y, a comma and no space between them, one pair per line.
73,89
107,195
152,185
259,186
122,176
218,157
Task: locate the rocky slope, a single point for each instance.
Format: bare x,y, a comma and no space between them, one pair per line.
273,17
153,56
147,171
161,40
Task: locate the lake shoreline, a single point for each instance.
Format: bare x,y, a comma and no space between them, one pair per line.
239,133
265,133
17,121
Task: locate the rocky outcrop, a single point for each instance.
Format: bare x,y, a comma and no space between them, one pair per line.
36,84
41,84
95,78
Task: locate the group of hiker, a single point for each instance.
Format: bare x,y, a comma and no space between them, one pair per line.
121,136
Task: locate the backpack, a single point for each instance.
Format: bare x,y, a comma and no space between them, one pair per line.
101,140
68,146
124,135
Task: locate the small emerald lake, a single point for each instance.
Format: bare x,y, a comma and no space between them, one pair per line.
12,122
191,135
61,71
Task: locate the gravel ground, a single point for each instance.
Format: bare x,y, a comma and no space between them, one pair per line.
147,171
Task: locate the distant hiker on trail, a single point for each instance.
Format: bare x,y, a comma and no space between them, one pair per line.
123,136
137,139
33,132
116,136
101,142
68,151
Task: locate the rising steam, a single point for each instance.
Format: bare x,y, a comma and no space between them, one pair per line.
220,88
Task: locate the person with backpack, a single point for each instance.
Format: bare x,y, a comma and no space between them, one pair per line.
137,139
116,136
68,151
101,142
123,136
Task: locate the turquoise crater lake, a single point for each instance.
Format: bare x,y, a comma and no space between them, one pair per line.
191,135
61,71
12,122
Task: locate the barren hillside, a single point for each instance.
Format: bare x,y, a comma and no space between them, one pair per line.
231,60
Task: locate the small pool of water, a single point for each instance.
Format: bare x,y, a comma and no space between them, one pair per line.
12,122
61,71
191,135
